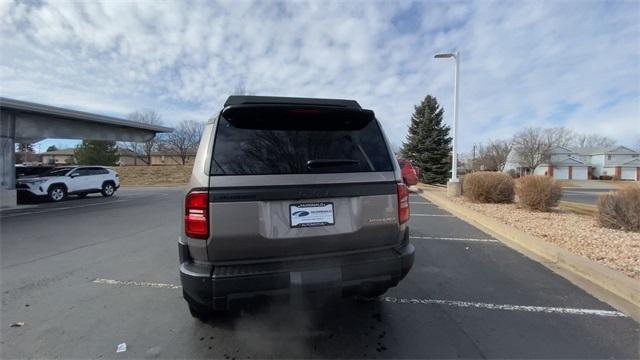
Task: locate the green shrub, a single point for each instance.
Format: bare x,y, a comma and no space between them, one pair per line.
488,187
537,192
620,209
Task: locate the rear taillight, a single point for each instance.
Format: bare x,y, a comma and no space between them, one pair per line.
403,203
196,214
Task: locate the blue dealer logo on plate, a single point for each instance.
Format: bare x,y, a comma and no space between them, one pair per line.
300,213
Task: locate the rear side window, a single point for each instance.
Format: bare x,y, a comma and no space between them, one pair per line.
283,140
98,171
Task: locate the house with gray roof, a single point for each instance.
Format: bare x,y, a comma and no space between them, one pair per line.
618,162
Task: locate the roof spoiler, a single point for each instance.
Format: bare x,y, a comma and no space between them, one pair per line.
274,100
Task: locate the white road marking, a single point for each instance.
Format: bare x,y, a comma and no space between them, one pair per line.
504,307
54,209
442,215
136,283
453,303
452,239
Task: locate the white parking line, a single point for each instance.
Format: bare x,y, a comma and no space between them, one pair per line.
136,283
453,303
443,215
54,209
504,307
452,239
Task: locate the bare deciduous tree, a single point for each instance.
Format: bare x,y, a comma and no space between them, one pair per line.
592,140
532,146
558,136
185,138
144,148
493,156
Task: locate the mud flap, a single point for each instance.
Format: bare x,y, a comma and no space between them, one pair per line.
315,288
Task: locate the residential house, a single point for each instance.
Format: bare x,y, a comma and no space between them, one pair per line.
618,162
171,157
58,157
158,158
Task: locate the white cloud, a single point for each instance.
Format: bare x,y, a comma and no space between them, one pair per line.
523,63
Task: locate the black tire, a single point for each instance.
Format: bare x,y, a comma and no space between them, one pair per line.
200,312
57,193
108,189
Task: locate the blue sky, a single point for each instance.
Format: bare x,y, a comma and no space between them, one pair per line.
538,63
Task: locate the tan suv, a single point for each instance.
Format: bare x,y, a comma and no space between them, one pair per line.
292,198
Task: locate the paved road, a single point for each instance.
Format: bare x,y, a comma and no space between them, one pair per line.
467,296
585,196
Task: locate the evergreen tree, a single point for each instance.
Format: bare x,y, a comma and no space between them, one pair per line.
428,143
96,152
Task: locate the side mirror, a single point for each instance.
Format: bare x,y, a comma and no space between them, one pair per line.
73,175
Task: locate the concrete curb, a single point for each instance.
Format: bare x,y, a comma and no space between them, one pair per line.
615,288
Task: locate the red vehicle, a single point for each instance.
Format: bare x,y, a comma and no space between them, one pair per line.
409,173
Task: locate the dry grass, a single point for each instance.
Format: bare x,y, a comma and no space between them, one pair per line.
168,175
580,234
540,193
620,209
488,187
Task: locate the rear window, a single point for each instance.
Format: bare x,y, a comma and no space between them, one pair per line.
263,141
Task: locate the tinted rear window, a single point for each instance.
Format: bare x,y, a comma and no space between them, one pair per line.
262,141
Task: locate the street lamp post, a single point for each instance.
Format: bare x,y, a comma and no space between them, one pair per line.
453,185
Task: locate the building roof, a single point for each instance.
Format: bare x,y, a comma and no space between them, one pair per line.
171,153
633,163
599,150
67,151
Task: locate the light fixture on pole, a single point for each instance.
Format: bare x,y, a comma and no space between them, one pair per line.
453,186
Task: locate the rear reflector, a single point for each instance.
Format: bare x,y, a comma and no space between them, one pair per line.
403,203
196,214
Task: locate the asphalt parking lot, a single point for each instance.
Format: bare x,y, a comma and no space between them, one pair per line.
583,195
86,275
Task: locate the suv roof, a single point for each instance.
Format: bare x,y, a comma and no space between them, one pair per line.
275,100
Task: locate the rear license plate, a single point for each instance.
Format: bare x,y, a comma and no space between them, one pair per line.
311,214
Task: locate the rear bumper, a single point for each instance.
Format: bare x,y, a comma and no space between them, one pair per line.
327,277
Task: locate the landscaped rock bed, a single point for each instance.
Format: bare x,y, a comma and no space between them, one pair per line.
580,234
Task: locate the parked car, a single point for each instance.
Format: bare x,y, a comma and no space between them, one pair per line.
299,198
31,170
409,174
57,183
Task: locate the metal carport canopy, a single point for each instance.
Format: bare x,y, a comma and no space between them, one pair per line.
27,122
34,122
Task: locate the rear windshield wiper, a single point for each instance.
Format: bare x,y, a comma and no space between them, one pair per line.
325,163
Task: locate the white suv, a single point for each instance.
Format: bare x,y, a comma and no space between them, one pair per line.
57,183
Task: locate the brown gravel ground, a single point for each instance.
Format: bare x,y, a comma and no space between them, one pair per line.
580,234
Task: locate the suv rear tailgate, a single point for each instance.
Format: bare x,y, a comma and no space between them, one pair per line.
259,220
